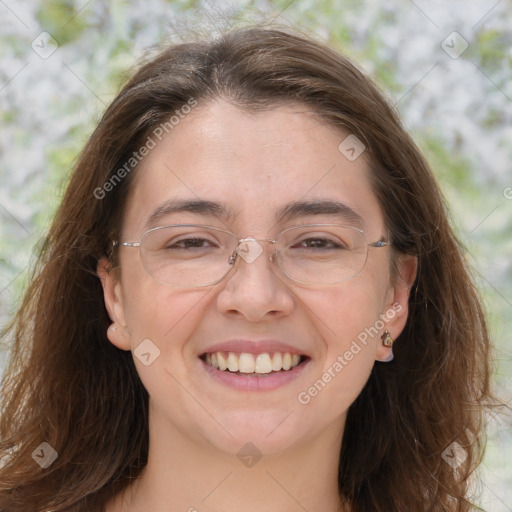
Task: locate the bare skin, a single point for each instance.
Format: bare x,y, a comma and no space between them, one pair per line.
254,164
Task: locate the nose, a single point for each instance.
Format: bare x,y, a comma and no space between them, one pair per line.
255,288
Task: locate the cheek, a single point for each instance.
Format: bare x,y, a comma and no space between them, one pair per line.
161,320
344,319
346,313
163,314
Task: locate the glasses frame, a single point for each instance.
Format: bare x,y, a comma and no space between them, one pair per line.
382,242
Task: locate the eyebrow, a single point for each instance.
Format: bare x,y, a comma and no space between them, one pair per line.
286,213
198,206
319,207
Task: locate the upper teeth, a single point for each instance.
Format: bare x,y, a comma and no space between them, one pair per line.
252,363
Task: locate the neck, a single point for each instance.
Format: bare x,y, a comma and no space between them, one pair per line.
185,474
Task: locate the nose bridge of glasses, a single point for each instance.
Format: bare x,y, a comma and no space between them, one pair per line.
249,249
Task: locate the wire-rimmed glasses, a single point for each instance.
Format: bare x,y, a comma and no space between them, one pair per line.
194,255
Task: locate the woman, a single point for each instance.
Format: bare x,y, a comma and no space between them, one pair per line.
211,323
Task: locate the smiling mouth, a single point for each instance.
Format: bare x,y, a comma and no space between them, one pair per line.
262,364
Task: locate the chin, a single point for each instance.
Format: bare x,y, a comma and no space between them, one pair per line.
266,431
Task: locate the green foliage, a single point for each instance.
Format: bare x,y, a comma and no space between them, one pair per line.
60,19
493,48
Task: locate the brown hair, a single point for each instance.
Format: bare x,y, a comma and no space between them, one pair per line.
69,386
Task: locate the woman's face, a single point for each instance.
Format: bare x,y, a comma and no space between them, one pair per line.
253,166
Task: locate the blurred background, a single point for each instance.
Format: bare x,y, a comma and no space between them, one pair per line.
447,66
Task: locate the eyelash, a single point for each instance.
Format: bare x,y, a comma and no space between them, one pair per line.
323,240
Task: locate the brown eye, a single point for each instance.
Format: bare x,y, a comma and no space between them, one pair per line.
189,243
319,243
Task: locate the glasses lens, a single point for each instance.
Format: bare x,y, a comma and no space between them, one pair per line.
187,255
322,254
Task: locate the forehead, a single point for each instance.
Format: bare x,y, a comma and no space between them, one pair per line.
255,165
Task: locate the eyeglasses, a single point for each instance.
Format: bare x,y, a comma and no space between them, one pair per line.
192,255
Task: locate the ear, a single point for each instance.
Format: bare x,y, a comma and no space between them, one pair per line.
117,333
397,307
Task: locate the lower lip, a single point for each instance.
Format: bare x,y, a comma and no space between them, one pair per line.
247,382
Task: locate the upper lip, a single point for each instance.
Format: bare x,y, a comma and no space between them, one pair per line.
253,347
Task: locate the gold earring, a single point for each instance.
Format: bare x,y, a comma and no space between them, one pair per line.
386,338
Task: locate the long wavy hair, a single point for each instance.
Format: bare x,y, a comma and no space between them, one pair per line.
67,385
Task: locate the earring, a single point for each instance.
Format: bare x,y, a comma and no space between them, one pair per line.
386,338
